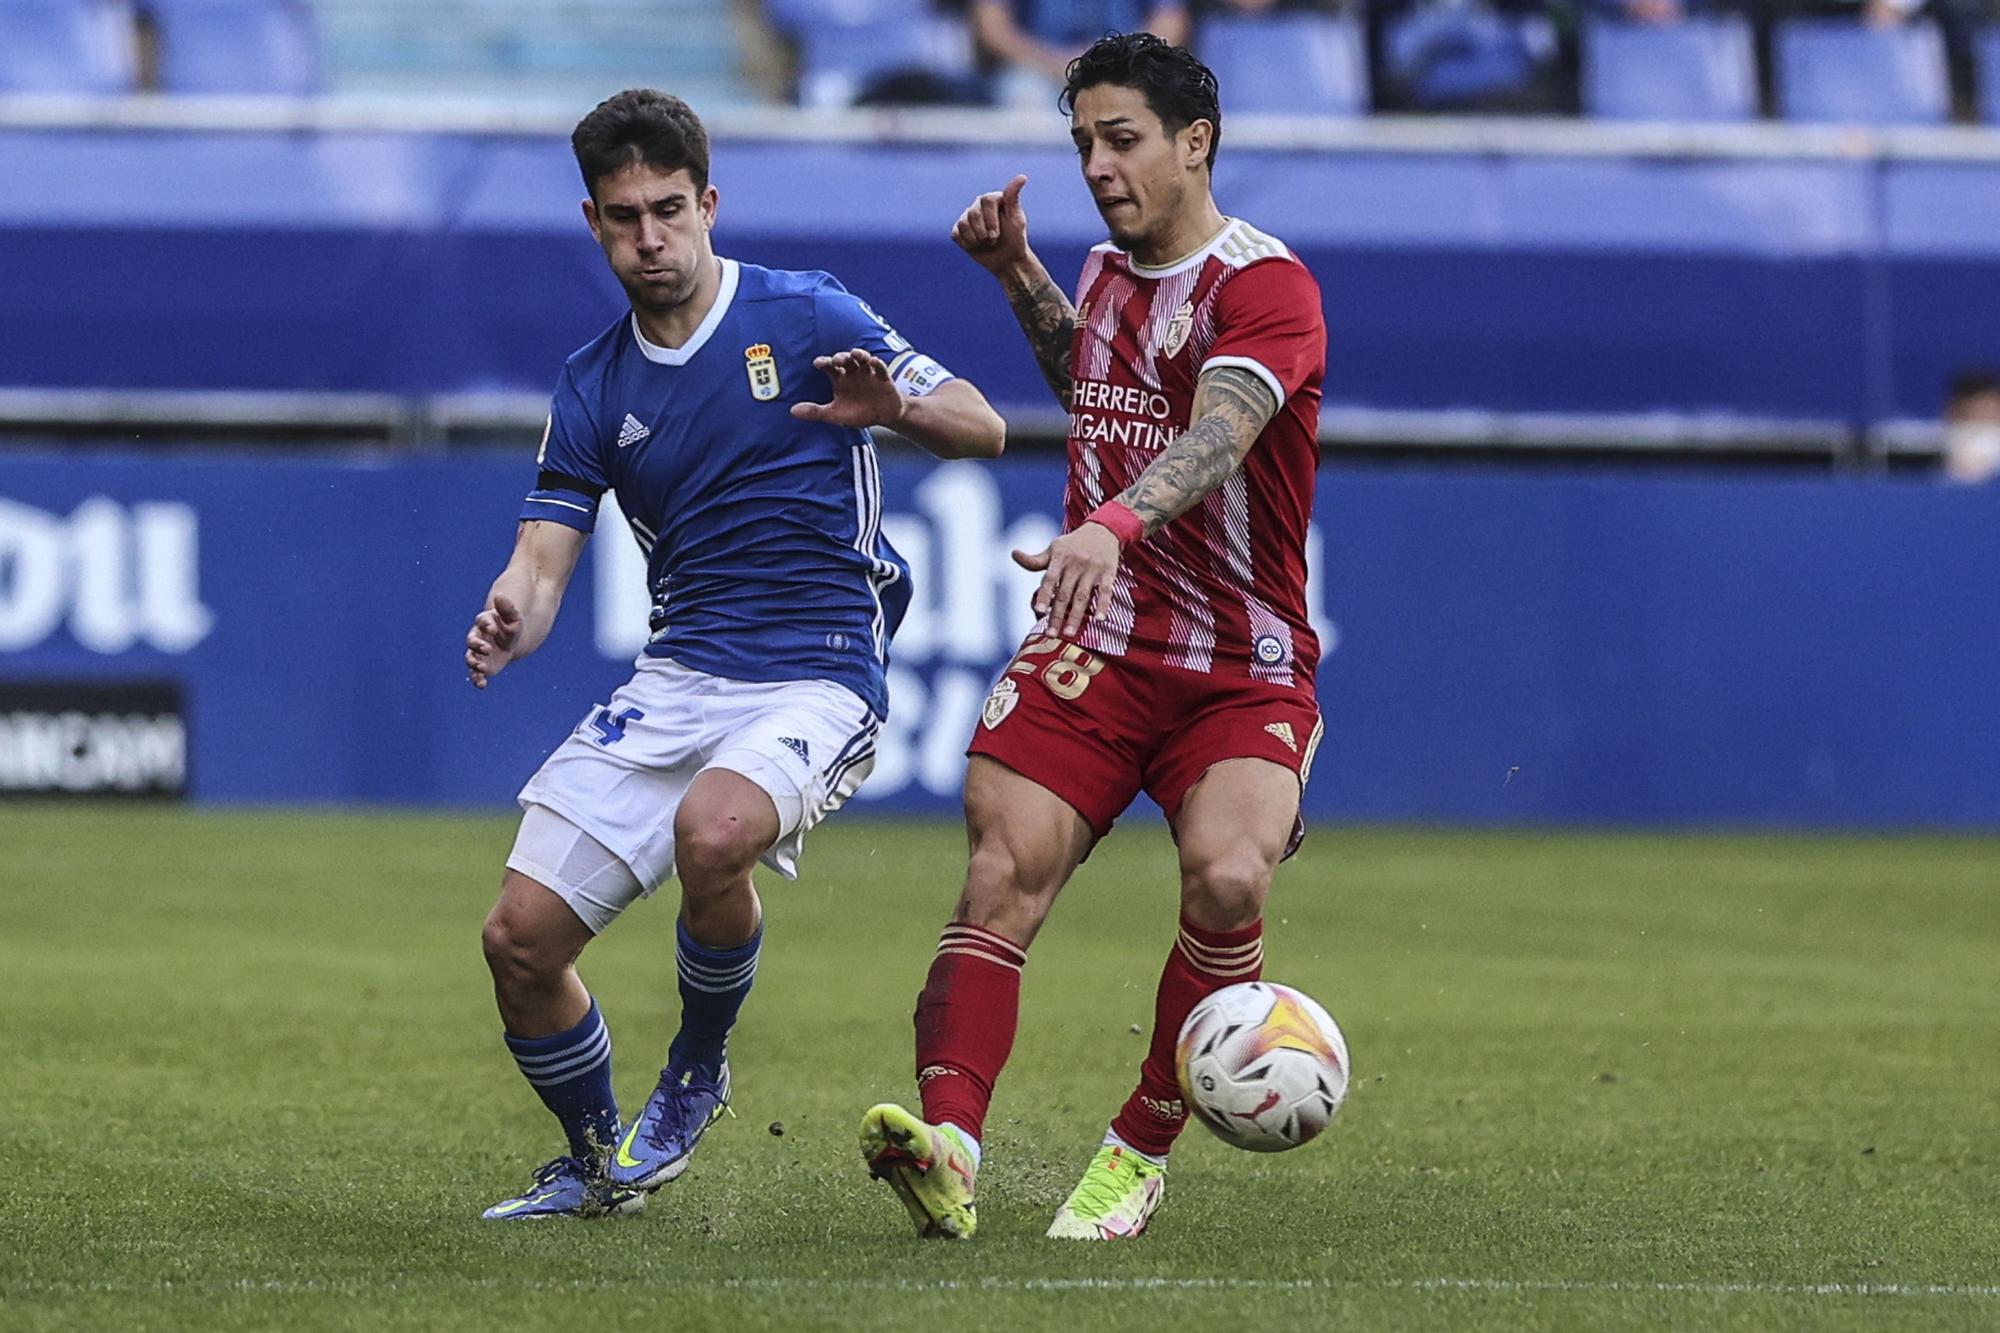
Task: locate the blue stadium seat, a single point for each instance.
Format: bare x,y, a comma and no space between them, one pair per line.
1702,69
268,47
67,46
1299,64
1986,52
844,46
1443,56
1835,70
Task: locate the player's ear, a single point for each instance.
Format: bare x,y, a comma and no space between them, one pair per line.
1195,140
590,217
710,199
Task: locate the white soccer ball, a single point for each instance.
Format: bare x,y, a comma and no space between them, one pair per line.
1262,1065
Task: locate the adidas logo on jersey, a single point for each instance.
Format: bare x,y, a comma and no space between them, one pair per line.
633,431
797,747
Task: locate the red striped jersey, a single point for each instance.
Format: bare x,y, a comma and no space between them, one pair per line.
1222,588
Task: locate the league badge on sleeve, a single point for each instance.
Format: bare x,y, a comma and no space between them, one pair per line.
763,368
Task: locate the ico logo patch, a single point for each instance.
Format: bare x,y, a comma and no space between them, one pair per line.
1005,698
1268,649
763,371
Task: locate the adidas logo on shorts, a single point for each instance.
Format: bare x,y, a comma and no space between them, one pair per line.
797,747
633,431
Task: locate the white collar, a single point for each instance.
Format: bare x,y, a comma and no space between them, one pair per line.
1183,265
725,292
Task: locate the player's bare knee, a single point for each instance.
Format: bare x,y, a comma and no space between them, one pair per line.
1003,892
1226,891
714,855
518,960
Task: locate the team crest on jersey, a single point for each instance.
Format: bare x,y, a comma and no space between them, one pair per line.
1178,328
1006,695
763,368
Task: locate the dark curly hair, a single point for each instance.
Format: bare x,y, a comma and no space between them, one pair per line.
1178,88
640,125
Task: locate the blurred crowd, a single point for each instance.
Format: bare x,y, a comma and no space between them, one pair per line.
1887,61
1861,61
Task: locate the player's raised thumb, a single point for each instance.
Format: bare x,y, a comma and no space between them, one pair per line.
1038,561
504,607
1010,195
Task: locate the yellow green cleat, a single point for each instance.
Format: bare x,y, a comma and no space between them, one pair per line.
1119,1192
930,1169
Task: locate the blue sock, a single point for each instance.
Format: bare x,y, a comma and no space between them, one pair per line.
714,983
572,1072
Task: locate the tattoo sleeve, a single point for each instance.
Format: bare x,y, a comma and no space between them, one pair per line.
1231,408
1048,319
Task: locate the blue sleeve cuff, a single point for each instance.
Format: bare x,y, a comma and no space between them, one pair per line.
568,508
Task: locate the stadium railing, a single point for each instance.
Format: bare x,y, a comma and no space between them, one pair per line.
403,418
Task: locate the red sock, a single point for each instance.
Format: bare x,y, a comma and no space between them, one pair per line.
1202,962
965,1024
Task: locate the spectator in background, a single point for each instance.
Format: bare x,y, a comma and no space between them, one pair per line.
1972,427
1031,42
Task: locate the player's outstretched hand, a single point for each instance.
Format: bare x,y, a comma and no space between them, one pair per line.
1080,568
994,231
489,645
863,394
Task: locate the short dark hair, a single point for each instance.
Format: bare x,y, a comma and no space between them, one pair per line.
640,125
1179,89
1972,382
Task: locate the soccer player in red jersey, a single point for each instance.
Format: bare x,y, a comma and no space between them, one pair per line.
1174,655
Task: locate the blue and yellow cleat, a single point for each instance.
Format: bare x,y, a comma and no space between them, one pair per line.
566,1187
661,1142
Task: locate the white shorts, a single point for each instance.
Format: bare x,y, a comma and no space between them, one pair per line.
622,773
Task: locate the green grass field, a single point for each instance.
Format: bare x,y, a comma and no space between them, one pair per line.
250,1076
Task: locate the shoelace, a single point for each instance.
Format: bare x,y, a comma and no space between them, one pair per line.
549,1172
671,1123
1103,1188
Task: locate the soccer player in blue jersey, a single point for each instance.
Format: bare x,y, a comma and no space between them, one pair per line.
729,414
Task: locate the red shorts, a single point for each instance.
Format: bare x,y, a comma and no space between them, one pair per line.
1097,731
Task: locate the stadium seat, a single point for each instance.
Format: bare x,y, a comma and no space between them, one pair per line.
847,45
1703,69
1300,64
1834,70
269,47
1445,57
67,46
1986,53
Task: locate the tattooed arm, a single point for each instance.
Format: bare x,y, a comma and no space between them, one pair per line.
1231,408
1048,319
994,231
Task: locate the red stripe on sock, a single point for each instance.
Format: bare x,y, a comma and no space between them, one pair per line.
966,1017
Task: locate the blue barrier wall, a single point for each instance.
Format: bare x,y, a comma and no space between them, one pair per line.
1834,289
1505,649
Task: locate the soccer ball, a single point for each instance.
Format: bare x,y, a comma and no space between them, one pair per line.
1262,1065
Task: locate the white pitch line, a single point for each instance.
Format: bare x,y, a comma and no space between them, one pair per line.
1502,1286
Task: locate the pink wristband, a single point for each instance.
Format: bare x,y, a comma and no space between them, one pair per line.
1125,525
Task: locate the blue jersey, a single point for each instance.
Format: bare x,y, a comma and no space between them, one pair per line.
763,533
